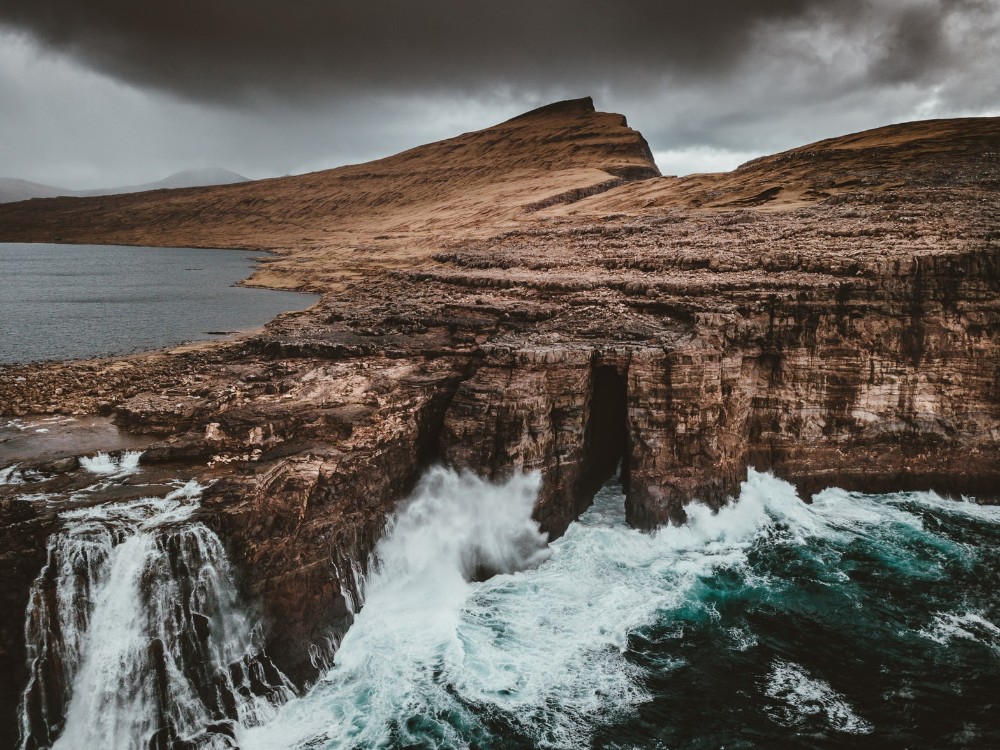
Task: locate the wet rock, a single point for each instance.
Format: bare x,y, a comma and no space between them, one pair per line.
60,465
24,532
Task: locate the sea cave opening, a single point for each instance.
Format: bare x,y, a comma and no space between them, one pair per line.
605,445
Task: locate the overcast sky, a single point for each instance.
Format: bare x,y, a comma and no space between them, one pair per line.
111,92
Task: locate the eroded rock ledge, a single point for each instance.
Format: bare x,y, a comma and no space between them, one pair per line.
832,314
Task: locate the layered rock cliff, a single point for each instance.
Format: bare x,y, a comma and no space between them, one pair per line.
534,296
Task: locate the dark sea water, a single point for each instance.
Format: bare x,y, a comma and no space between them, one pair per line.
856,621
77,301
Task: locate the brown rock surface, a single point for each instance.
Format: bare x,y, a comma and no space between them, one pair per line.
532,296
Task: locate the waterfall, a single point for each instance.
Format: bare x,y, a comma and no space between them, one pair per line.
135,637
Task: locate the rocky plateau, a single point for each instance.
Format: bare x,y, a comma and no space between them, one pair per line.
535,296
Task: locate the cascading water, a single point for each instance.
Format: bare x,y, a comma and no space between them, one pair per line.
107,465
134,635
11,475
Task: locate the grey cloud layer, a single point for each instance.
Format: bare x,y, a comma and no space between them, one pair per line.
235,49
306,83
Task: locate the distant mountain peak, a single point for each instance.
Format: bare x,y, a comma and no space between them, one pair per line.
13,190
186,178
566,107
205,176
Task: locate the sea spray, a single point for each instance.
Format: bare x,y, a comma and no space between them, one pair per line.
857,620
135,634
112,467
457,525
537,648
393,663
761,623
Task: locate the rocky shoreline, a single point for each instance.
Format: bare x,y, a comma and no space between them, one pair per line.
831,314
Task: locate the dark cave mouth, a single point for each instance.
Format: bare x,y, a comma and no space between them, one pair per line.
605,445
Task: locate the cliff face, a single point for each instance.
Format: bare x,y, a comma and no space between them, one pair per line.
532,296
878,384
842,344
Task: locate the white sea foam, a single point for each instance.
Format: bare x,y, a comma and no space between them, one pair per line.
111,467
802,695
971,626
543,647
11,475
856,508
742,638
963,507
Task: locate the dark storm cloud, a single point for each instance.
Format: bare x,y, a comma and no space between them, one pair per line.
104,92
234,49
913,45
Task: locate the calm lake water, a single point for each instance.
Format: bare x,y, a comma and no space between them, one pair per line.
77,301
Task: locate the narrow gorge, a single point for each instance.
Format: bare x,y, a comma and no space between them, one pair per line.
533,297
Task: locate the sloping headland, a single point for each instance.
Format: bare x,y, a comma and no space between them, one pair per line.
536,296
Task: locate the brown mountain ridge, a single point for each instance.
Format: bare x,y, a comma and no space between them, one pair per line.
533,296
489,177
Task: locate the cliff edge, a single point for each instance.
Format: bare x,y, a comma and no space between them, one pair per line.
535,296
